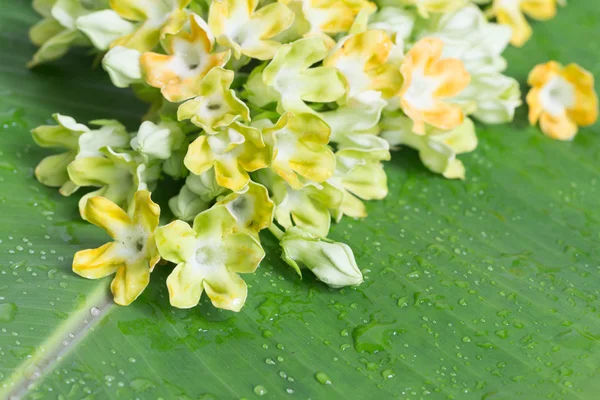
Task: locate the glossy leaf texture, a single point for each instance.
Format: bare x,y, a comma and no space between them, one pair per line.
487,288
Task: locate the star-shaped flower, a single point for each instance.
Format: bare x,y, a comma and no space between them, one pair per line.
251,207
233,152
133,253
562,99
299,144
179,72
291,77
428,80
215,104
238,25
209,257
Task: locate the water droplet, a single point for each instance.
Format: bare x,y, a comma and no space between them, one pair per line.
8,312
267,333
269,361
95,311
260,390
323,378
289,390
141,385
387,374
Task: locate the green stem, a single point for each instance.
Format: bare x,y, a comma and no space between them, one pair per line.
278,233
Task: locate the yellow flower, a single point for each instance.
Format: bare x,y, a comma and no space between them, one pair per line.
363,60
512,13
299,144
155,17
236,24
233,152
562,99
428,80
133,253
188,60
326,17
209,257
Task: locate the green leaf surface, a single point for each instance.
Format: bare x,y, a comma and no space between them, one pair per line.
482,289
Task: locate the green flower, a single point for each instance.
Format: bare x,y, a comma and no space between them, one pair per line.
209,257
290,75
251,207
233,152
216,105
437,149
332,262
300,150
308,207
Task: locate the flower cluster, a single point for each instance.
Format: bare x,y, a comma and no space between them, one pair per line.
277,115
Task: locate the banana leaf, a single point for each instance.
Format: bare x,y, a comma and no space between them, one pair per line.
482,289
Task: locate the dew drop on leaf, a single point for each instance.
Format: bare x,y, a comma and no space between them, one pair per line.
323,378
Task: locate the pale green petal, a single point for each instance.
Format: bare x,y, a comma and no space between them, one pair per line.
123,66
103,27
54,48
111,134
214,223
52,170
44,30
176,242
157,141
185,286
205,186
244,253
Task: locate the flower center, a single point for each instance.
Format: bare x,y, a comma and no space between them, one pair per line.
557,96
420,92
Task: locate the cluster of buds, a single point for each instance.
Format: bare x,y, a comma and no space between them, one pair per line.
276,115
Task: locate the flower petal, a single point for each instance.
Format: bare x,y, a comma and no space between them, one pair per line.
226,290
199,157
130,281
244,253
185,286
176,241
107,215
98,263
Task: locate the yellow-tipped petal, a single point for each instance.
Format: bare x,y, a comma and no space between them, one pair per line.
130,281
98,263
107,215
